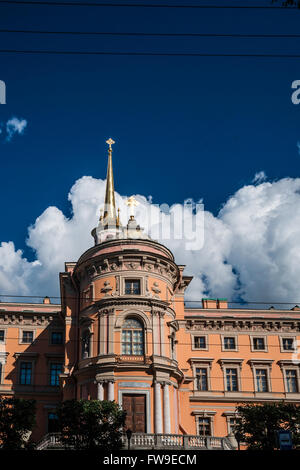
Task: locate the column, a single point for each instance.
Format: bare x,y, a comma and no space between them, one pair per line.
100,391
167,423
157,408
111,394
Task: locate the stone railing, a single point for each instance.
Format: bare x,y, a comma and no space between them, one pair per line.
176,441
154,441
49,441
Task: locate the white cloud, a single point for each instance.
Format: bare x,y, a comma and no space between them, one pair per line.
251,248
259,177
15,126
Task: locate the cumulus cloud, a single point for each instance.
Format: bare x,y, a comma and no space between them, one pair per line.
250,249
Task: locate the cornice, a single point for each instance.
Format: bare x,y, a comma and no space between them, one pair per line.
252,325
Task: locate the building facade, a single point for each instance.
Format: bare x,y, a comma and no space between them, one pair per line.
122,332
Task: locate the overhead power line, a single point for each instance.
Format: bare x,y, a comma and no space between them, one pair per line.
93,299
149,5
149,54
151,34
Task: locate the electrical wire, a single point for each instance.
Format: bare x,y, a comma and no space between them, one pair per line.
149,54
151,34
149,5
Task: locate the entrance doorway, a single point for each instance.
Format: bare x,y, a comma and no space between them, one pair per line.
135,407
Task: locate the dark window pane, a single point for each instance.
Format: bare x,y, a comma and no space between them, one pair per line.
258,343
132,286
231,380
56,337
288,344
201,379
55,370
200,342
261,380
27,337
291,381
1,335
52,422
229,343
204,427
25,373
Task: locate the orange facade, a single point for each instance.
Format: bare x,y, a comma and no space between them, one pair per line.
122,332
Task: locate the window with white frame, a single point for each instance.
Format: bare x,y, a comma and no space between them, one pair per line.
204,426
201,379
27,336
132,337
258,344
261,378
232,423
291,380
231,379
200,342
2,336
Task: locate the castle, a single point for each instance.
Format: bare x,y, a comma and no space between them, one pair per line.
122,332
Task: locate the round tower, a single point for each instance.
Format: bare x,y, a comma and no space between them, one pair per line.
121,321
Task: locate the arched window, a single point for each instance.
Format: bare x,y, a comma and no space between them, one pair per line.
132,337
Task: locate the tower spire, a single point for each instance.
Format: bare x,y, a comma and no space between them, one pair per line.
110,216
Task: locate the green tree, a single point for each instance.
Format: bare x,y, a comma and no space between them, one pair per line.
259,423
90,424
17,418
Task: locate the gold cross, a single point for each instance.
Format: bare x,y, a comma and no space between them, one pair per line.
131,202
110,142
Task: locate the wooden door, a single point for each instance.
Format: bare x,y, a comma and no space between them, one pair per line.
135,407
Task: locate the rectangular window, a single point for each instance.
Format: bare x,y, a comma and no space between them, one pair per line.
55,370
291,381
232,423
229,342
258,344
132,342
56,337
1,336
288,344
25,373
0,372
52,422
231,380
200,342
261,380
27,337
132,286
204,427
201,379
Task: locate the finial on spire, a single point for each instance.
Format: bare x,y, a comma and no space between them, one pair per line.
110,142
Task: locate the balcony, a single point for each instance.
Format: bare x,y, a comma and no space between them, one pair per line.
141,441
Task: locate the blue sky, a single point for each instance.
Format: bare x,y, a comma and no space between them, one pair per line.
185,127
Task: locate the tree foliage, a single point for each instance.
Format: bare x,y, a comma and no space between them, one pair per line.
258,424
17,418
90,424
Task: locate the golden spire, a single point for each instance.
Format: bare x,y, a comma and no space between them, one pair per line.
109,217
